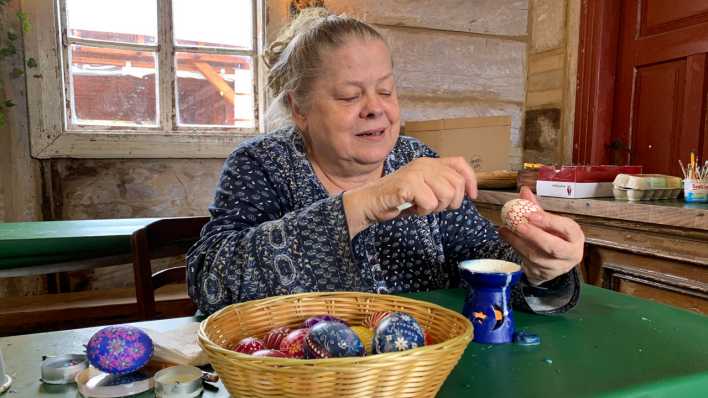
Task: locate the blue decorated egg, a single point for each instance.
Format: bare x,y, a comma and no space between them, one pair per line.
119,349
331,339
398,332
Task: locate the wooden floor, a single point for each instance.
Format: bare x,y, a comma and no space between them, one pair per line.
31,314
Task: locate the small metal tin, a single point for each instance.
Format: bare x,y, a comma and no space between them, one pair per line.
63,368
178,382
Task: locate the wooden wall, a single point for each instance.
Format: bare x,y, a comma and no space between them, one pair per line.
452,58
552,72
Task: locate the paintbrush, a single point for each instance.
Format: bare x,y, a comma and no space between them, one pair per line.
683,169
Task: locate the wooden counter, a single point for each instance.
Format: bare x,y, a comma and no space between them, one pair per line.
656,249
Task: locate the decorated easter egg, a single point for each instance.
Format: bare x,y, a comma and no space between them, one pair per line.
292,344
119,350
426,337
312,321
270,353
249,345
398,332
372,321
515,212
366,336
273,338
331,339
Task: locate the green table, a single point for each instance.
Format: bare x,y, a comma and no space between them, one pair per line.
611,345
33,248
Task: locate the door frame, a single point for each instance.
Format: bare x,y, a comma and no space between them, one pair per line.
597,71
598,49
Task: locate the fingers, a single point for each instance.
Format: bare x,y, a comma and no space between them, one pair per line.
460,165
562,227
550,245
527,249
525,193
538,265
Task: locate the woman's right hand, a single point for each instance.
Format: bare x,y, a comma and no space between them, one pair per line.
430,184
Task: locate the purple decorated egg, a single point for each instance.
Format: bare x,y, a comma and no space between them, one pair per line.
270,353
312,321
119,350
273,338
331,339
293,343
398,332
249,345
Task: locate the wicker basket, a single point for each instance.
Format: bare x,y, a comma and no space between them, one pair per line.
414,373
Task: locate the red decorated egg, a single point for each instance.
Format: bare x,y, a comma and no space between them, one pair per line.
398,332
249,345
273,338
270,353
292,344
312,321
372,321
331,339
426,337
515,212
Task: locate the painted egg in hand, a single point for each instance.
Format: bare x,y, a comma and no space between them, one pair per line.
398,332
372,321
273,338
515,212
329,339
292,344
249,345
366,336
312,321
270,353
119,350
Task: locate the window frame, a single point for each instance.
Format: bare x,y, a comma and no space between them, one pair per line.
53,136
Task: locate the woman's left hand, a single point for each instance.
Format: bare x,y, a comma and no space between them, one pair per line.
551,245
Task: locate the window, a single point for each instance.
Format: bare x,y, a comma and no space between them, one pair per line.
145,78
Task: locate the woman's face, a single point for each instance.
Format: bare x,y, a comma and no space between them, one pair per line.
353,118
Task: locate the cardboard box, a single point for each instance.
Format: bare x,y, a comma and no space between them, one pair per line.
485,142
580,181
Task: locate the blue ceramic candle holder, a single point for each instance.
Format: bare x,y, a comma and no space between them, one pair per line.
488,302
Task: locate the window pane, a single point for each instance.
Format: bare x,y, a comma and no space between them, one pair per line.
213,23
214,89
128,21
113,86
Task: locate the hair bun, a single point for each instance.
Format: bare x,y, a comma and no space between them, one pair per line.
304,21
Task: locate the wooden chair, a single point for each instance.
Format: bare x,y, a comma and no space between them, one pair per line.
163,238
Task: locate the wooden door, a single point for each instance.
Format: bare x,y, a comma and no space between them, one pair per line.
660,93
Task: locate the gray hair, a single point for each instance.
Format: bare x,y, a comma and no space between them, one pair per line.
294,58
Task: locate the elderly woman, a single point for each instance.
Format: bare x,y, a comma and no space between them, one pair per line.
315,206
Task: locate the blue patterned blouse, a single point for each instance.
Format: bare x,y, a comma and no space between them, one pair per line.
275,230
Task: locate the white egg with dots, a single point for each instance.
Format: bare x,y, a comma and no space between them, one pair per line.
515,212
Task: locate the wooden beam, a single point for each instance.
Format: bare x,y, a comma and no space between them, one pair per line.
215,79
